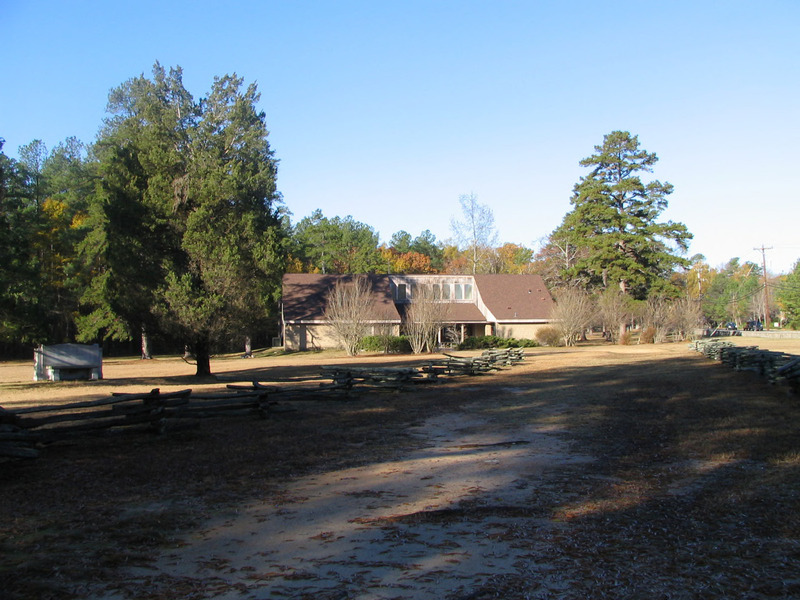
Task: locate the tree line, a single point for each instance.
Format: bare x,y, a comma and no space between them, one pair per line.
171,226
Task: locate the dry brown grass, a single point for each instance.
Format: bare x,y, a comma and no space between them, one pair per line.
694,492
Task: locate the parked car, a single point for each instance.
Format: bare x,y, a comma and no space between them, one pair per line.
753,326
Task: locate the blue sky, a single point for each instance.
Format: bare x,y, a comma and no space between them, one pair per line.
389,111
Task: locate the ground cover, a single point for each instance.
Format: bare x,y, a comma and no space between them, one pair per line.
600,471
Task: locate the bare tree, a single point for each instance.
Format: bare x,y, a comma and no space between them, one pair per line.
476,232
686,315
574,312
555,258
616,311
657,314
425,316
348,310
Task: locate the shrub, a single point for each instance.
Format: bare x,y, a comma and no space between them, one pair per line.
550,336
523,343
492,341
648,335
625,339
389,344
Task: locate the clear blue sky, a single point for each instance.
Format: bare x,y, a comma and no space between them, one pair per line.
389,110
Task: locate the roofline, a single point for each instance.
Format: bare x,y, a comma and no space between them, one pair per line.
324,322
447,321
531,321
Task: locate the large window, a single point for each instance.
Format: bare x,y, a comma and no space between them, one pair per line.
459,291
401,292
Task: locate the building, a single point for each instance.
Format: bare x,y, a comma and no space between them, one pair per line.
502,305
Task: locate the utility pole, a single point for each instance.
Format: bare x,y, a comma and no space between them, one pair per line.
766,287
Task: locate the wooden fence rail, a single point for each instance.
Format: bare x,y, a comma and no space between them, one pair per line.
23,431
776,367
346,377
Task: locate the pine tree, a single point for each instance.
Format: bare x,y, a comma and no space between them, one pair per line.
185,234
614,221
789,297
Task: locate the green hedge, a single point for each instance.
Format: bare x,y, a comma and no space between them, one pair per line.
492,341
390,344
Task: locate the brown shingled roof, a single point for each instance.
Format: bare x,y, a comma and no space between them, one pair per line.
304,296
515,297
464,312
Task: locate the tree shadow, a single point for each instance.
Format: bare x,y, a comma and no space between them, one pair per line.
692,486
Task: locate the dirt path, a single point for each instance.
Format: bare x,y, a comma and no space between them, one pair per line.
372,532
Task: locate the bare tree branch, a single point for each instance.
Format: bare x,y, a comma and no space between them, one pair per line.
348,312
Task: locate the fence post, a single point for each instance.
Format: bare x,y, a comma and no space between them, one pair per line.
158,419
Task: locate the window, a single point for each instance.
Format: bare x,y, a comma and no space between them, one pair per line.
459,292
445,291
401,292
467,291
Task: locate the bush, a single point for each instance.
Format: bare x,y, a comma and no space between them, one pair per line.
648,335
389,344
625,339
550,336
483,342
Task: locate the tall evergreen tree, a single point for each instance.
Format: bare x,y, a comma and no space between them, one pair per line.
32,158
66,181
43,196
19,297
232,260
135,231
615,221
730,294
336,245
185,226
788,297
425,243
401,241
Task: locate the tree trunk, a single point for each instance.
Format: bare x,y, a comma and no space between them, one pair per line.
145,345
202,356
248,348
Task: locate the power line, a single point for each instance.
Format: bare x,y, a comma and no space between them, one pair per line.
784,285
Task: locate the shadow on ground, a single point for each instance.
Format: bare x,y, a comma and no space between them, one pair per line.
692,491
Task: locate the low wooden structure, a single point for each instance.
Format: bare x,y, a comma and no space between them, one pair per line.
489,360
776,367
379,377
62,362
23,430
